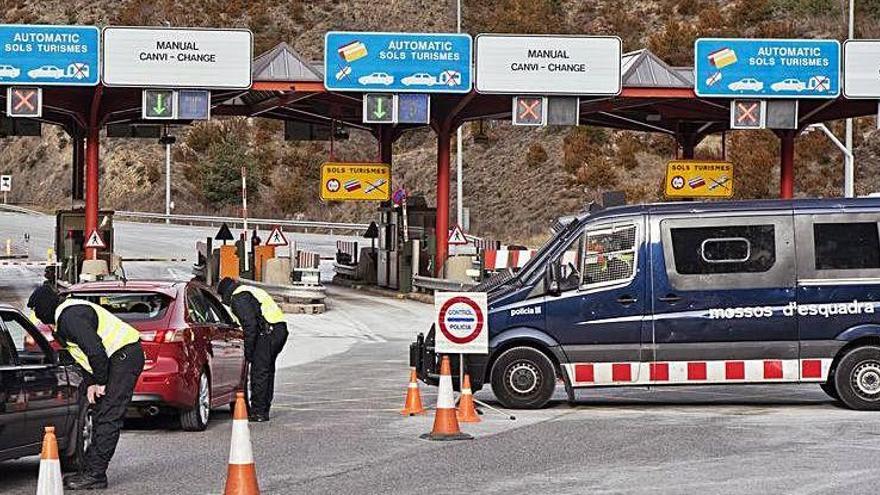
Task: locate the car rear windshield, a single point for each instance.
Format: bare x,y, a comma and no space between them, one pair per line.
130,306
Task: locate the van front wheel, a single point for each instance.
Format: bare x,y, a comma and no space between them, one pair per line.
523,378
857,378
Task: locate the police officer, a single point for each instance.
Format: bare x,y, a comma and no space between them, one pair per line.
109,350
265,333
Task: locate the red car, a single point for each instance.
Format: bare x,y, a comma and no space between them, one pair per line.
194,348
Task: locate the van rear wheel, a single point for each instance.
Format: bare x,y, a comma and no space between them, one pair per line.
523,378
857,378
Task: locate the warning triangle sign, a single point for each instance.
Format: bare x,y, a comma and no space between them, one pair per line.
95,241
456,237
276,238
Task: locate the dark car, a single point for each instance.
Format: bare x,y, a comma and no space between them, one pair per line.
38,388
194,348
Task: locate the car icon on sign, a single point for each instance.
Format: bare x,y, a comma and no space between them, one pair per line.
9,71
419,79
789,85
377,78
46,71
746,84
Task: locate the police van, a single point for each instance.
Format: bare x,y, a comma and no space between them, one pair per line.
688,294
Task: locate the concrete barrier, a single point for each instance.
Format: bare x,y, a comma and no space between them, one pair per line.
276,271
93,270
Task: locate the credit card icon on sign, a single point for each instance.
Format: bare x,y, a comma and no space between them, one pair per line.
722,58
352,51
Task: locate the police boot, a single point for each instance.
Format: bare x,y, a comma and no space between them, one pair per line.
85,481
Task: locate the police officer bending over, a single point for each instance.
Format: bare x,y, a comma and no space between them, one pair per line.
265,334
110,352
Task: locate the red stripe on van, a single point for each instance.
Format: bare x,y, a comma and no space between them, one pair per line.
697,371
773,370
584,373
621,372
811,368
735,370
659,372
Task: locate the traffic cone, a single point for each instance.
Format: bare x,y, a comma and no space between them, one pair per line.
49,479
241,479
413,404
445,422
467,411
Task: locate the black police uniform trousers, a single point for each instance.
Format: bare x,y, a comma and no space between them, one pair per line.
126,365
266,350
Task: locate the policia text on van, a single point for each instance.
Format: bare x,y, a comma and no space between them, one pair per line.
687,294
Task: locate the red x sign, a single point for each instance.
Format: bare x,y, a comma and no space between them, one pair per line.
747,114
24,102
528,110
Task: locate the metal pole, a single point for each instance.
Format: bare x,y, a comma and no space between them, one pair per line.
849,122
167,182
459,172
244,214
91,213
848,183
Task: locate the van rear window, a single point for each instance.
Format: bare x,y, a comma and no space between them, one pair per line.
727,249
130,306
846,246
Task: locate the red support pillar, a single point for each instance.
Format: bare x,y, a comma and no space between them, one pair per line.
79,163
786,164
92,146
442,223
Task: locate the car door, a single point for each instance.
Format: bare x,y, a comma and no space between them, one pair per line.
44,382
598,321
234,338
206,323
722,287
12,401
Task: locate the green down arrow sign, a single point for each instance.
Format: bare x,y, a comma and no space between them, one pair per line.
378,108
158,104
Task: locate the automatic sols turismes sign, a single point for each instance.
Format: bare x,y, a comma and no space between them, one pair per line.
177,58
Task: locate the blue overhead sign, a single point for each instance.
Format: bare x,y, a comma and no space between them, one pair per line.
49,55
767,68
397,62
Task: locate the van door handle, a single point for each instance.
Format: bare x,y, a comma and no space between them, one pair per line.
29,378
669,298
626,299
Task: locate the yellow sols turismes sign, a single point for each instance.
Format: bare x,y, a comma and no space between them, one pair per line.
355,181
699,179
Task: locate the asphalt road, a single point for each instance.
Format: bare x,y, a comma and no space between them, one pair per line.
335,429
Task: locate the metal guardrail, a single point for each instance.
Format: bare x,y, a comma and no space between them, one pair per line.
265,222
19,209
430,283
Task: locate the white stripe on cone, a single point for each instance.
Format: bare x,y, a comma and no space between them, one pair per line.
240,447
444,393
49,479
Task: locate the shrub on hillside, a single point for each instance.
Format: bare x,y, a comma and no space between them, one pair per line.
536,155
221,172
674,44
514,16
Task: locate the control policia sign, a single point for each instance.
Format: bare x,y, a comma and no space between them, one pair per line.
462,322
177,58
548,65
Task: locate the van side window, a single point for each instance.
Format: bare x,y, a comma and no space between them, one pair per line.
846,246
723,253
727,249
610,254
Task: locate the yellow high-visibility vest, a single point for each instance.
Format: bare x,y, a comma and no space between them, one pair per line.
269,309
113,332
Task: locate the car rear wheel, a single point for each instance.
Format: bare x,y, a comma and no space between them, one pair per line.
523,378
857,378
196,418
80,439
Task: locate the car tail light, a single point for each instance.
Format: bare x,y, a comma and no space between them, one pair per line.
163,336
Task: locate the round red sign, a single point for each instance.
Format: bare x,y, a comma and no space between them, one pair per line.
461,320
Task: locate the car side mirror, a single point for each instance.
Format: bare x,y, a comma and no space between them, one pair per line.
551,280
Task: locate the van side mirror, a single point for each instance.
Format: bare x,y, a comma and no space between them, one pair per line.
551,279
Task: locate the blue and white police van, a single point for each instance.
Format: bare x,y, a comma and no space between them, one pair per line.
689,294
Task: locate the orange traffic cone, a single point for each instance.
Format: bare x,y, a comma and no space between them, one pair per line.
413,404
467,411
241,478
49,479
445,422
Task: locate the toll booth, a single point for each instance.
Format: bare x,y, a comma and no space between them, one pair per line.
70,239
395,263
